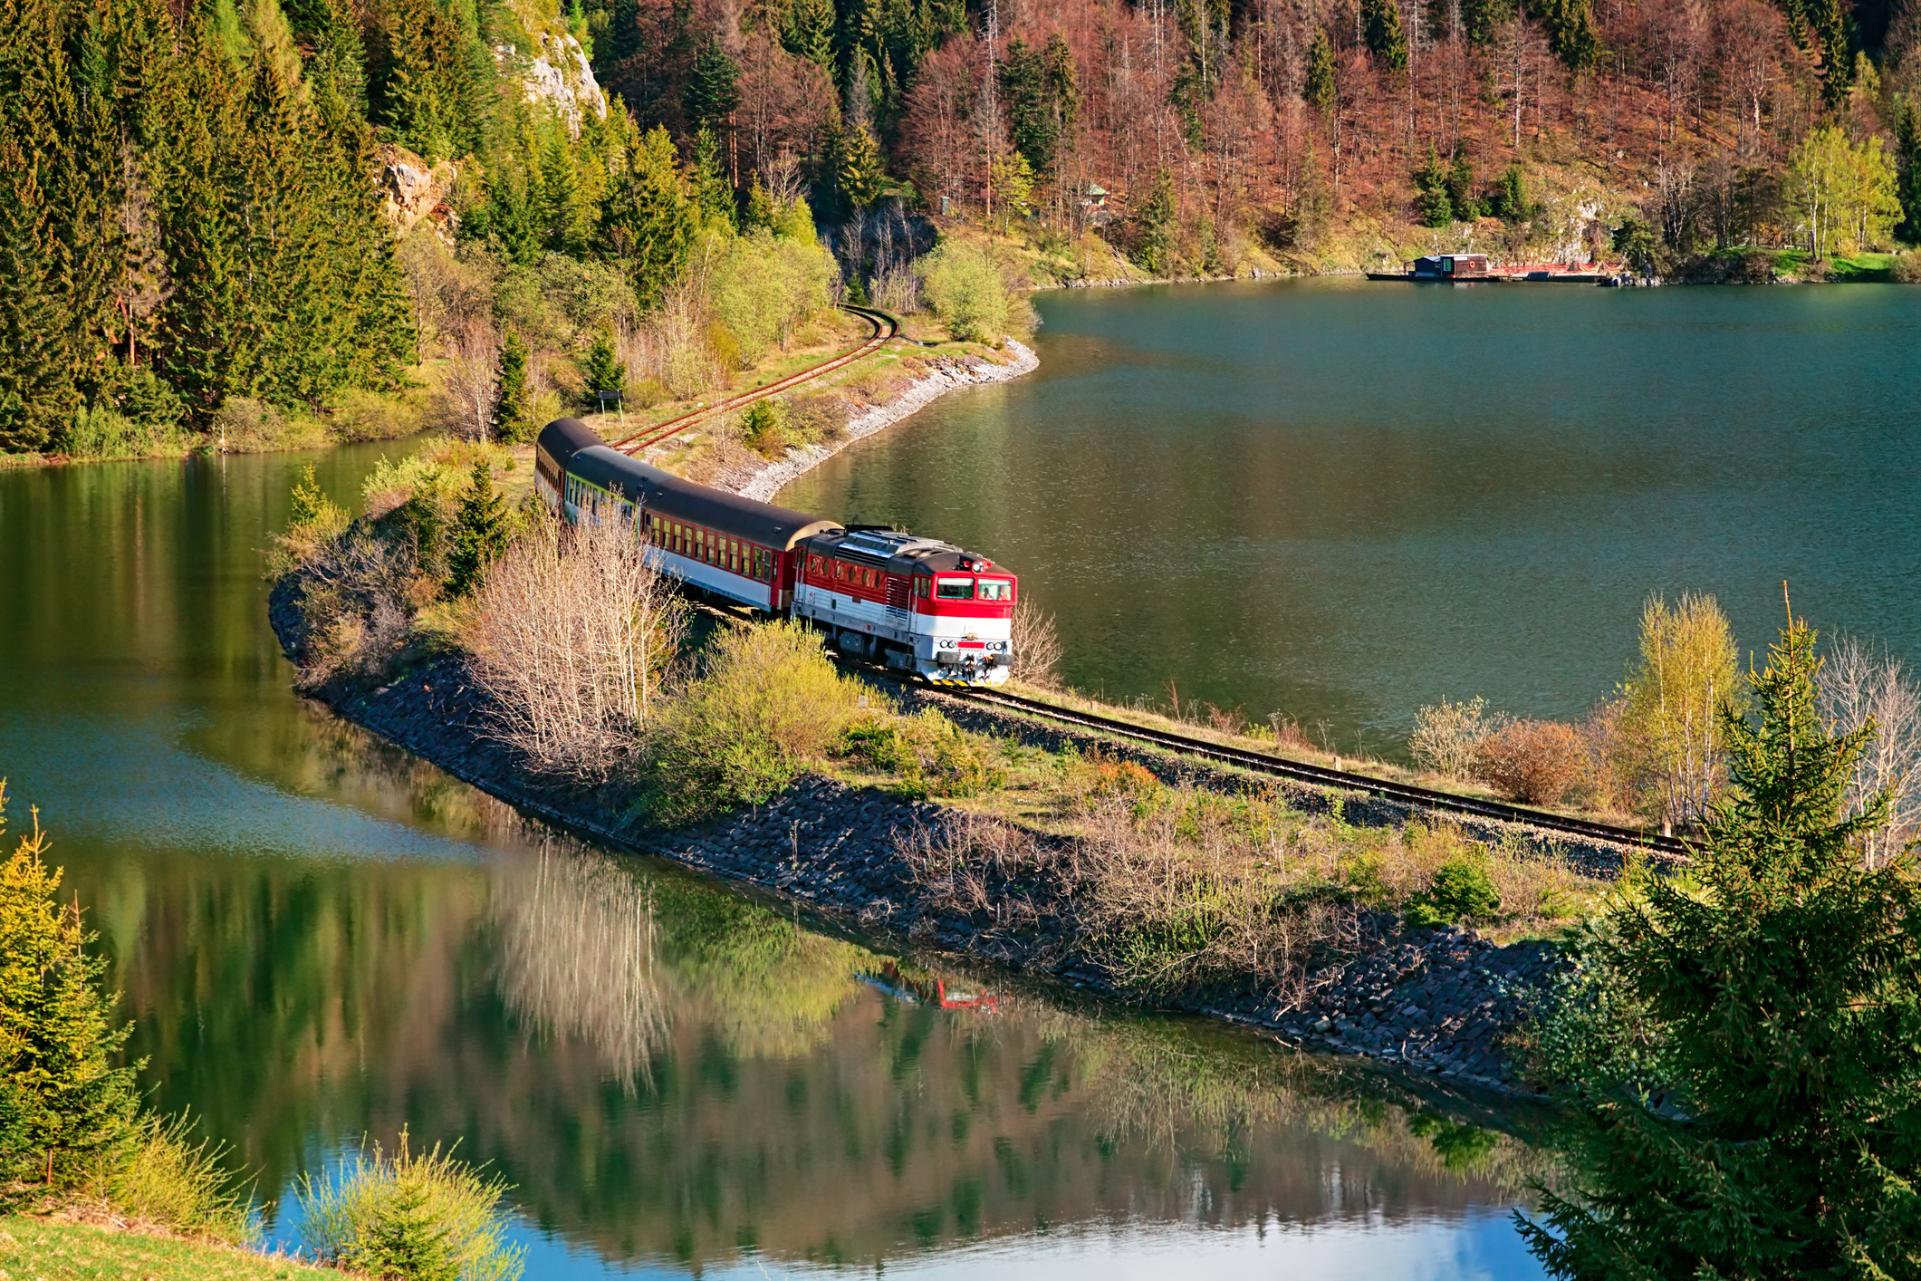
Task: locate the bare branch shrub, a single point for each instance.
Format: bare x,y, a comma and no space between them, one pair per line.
577,958
1447,735
358,604
573,636
1670,727
1859,683
1537,762
976,863
1037,646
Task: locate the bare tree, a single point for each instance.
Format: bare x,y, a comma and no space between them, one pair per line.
472,378
574,635
1859,683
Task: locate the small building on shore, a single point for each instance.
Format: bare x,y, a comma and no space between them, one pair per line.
1450,267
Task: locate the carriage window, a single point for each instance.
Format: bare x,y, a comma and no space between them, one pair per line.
954,589
920,587
997,589
869,578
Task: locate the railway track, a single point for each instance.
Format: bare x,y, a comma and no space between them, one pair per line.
885,327
1412,794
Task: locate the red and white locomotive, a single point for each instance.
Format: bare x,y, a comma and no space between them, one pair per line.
906,602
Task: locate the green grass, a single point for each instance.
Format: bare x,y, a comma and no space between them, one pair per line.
33,1249
1862,268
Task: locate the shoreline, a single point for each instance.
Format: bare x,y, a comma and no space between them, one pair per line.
768,479
1440,1004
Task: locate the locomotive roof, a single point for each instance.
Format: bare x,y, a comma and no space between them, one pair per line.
669,495
901,552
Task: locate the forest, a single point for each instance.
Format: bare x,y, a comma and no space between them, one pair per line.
254,223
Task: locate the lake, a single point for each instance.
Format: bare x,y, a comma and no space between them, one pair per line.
1339,500
321,940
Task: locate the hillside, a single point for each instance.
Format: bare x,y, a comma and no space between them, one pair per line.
260,223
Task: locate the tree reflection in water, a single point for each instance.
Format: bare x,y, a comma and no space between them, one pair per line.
669,1070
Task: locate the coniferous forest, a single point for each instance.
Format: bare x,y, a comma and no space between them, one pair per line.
234,218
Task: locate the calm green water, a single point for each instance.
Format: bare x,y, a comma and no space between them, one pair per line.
1341,500
321,939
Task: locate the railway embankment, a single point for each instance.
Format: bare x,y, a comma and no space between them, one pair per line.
1444,1001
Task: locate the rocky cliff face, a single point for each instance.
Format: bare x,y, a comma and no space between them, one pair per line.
560,76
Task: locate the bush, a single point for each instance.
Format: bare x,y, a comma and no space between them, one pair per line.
418,1217
768,705
1462,892
964,287
1537,762
1448,734
314,521
1906,268
764,427
101,432
932,755
573,639
172,1181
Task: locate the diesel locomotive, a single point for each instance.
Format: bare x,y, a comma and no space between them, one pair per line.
909,603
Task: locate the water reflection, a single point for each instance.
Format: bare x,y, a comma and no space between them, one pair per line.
320,938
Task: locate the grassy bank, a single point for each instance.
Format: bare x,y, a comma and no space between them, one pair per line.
44,1249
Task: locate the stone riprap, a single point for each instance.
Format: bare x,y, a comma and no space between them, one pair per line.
1441,1001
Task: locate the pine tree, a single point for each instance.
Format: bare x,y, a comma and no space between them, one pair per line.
480,532
36,389
601,369
713,89
856,167
1460,189
1318,87
1742,1052
1483,19
512,418
1907,154
807,31
64,1103
713,194
1381,28
1570,31
1431,199
648,219
1157,226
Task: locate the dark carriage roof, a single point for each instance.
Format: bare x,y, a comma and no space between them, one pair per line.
669,495
562,438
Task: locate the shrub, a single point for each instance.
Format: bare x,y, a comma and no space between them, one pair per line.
102,432
1037,646
1906,268
764,426
1448,734
964,287
601,370
1462,892
573,638
357,603
417,1216
932,755
1537,762
479,534
768,704
169,1179
67,1106
314,521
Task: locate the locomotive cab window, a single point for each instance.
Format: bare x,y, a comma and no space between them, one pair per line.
954,589
997,589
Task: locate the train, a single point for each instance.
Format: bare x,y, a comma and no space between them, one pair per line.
877,593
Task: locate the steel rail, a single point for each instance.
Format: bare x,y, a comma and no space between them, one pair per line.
885,327
1322,776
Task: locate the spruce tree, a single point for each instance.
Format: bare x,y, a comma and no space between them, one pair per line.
601,370
1742,1060
807,31
713,194
36,389
857,168
648,220
65,1103
512,418
1431,199
480,532
1318,86
1381,28
713,89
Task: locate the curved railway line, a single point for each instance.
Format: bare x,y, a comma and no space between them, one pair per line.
1412,794
884,326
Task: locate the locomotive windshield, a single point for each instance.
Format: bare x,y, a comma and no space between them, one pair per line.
954,589
996,589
